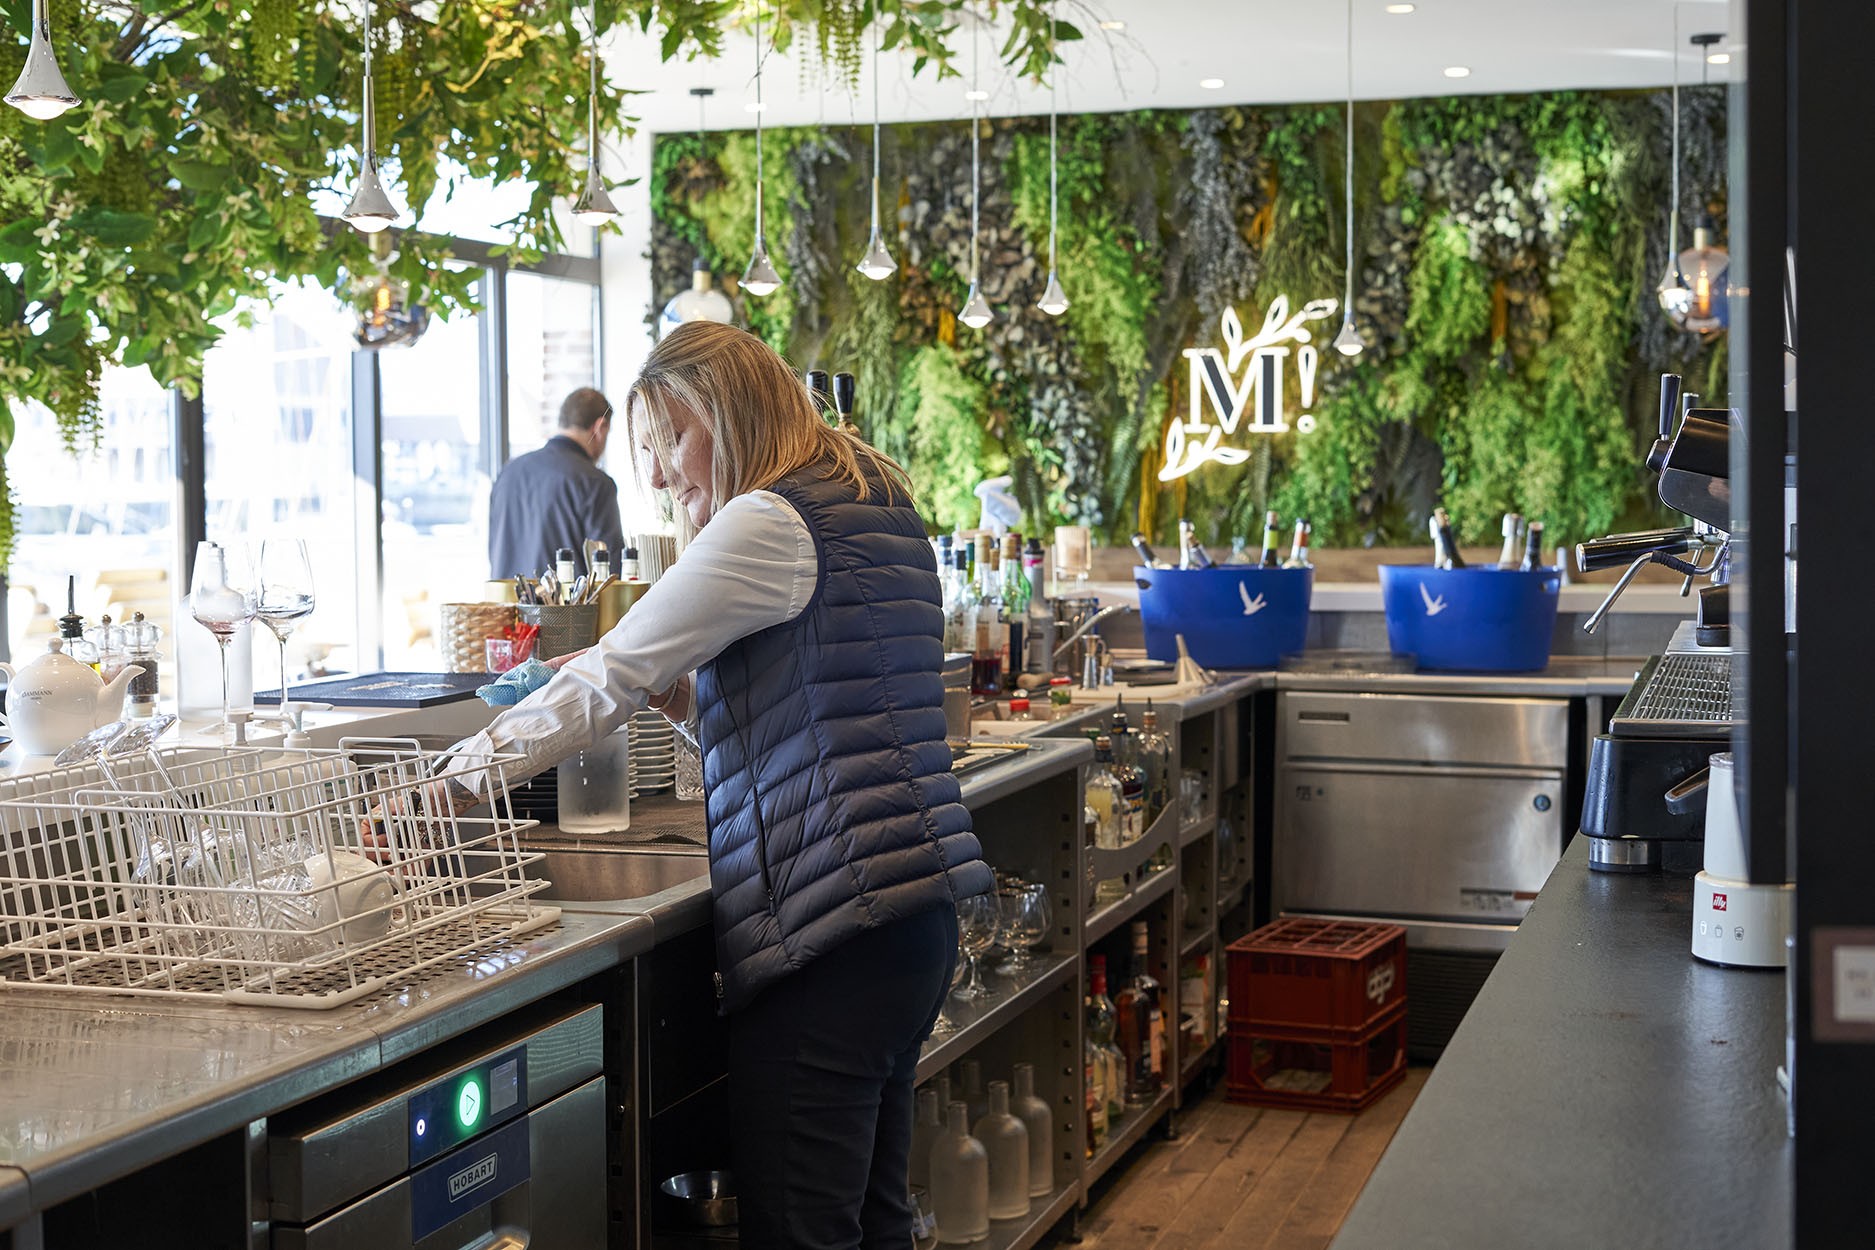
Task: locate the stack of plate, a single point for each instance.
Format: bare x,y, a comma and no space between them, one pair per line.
653,754
656,552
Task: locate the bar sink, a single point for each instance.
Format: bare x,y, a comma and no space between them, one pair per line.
612,874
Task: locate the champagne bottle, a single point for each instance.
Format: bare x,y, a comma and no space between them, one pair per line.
1299,547
1200,558
1271,538
1533,547
1513,523
1146,556
1445,547
1184,543
820,388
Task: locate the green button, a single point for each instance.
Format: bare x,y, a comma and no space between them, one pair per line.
469,1104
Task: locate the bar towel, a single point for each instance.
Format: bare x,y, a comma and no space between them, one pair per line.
515,684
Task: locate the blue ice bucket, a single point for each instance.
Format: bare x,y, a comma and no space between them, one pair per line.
1479,619
1233,616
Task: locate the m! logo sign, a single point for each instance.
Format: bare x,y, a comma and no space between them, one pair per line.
1221,395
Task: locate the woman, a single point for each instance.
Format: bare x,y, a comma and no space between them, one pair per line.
806,601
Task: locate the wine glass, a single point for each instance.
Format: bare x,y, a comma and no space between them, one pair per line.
977,919
1025,918
222,600
286,595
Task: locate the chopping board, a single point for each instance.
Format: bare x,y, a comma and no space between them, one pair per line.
407,690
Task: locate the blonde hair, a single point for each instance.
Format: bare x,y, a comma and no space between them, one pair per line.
762,422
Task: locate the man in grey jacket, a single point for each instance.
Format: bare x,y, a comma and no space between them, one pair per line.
556,496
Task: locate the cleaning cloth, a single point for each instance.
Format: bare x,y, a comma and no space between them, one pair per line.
516,684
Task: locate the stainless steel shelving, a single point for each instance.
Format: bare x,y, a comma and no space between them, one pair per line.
1125,1135
1195,943
1043,1215
1118,912
977,1020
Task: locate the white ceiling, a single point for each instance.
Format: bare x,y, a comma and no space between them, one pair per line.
1266,51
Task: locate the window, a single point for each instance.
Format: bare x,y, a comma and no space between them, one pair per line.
106,516
552,350
435,504
276,398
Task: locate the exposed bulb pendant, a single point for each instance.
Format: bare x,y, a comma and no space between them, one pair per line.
1348,341
976,310
41,92
877,263
371,209
1054,300
594,207
760,277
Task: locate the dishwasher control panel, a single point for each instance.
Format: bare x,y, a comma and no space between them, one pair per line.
449,1111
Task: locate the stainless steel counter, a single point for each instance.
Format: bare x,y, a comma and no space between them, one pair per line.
92,1089
1606,1089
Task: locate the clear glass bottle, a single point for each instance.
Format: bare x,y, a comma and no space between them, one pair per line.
926,1128
1106,795
960,1182
1039,630
1153,754
986,665
1040,1121
1094,1095
1006,1139
960,612
1140,1010
1101,1019
1132,776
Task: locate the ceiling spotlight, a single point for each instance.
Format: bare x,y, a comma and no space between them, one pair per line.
1112,25
1399,8
1458,71
1211,84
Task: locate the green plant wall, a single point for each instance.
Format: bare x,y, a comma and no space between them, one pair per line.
1506,249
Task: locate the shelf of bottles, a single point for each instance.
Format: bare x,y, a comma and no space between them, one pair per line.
975,1020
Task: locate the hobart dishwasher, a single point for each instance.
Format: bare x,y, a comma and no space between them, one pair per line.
1443,814
494,1142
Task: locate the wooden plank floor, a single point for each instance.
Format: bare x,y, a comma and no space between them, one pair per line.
1243,1178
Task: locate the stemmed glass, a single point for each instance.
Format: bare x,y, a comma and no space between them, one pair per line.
977,919
286,595
1025,919
222,599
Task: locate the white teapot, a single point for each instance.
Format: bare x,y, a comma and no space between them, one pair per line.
54,701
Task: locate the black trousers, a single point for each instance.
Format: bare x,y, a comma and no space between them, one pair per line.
820,1084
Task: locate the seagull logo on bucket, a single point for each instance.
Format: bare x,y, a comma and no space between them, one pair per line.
1251,606
1433,606
474,1176
1379,981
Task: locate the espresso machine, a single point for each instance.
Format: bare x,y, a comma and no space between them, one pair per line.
1644,807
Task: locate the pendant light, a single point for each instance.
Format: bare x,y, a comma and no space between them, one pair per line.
1348,342
371,209
1054,300
41,92
700,301
1675,299
976,310
760,277
877,263
594,207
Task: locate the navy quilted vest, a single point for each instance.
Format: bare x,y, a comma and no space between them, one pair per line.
832,807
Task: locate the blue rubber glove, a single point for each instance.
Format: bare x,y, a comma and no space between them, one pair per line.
516,684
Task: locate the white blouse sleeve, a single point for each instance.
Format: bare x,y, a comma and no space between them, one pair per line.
753,566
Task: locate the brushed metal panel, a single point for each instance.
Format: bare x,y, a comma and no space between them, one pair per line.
1520,732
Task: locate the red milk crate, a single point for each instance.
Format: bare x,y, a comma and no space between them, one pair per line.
1312,1071
1332,977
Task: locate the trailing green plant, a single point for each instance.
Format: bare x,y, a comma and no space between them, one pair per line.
950,450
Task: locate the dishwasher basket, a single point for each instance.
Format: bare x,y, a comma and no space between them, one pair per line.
253,875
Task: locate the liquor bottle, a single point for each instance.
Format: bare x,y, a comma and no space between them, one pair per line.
1145,552
1153,752
986,666
960,617
1140,1010
1006,1139
1270,559
1512,530
1532,547
1039,1119
1094,1095
1445,547
1015,609
1132,776
845,388
1107,797
960,1181
820,389
1102,1094
925,1131
1299,547
1039,635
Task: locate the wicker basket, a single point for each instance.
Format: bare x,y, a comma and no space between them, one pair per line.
466,626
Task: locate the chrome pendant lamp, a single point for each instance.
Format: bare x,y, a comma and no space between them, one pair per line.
372,208
1054,300
593,207
1675,299
1348,341
760,277
976,310
41,92
877,263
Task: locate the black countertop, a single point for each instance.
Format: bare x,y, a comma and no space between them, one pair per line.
1606,1089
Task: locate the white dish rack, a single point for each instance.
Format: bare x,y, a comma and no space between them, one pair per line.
304,878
